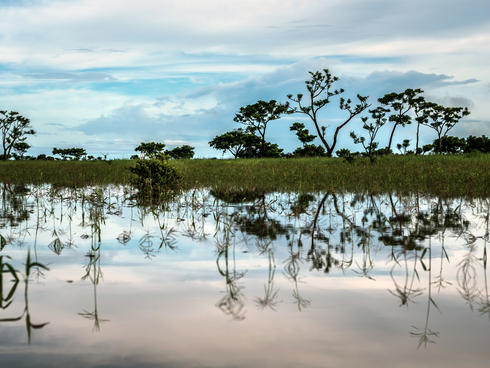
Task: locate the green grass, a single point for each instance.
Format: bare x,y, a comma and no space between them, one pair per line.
453,176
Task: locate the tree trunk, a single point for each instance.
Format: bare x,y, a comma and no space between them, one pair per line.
391,137
417,141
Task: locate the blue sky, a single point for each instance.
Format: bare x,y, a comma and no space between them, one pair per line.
106,75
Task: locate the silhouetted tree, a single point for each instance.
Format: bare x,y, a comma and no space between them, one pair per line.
442,119
235,142
378,117
14,129
480,144
257,116
182,152
150,149
21,148
401,104
70,153
305,138
320,92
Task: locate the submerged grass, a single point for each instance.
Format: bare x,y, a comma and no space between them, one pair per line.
458,175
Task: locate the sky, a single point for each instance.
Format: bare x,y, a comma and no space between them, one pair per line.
107,75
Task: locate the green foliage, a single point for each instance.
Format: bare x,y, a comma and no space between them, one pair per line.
477,144
320,93
302,133
150,149
346,154
403,147
235,142
14,129
257,116
304,136
268,150
155,177
447,175
449,144
182,152
20,149
70,153
309,150
242,144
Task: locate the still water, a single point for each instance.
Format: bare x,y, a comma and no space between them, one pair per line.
91,278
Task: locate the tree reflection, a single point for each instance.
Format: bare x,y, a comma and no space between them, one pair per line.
233,301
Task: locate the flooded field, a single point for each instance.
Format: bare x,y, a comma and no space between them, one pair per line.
92,278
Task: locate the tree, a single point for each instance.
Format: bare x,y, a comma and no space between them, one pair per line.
403,147
401,104
257,116
235,142
14,129
477,144
182,152
378,116
450,144
150,149
320,93
73,153
442,119
21,148
304,136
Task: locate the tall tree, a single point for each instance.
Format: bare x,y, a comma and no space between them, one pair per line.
14,129
258,115
320,93
400,104
442,119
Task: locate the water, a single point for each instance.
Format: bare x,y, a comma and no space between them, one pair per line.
242,280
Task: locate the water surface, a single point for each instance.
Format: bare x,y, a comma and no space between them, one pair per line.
92,278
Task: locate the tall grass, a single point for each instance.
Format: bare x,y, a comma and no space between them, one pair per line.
458,175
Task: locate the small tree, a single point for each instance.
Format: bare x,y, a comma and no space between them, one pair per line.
372,128
403,147
304,136
14,129
401,104
235,142
182,152
21,148
150,149
74,153
257,116
320,93
442,119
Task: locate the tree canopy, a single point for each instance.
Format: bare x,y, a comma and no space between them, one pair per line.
14,129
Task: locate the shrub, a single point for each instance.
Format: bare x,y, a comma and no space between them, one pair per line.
155,177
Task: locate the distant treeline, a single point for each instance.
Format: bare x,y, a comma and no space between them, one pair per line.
393,110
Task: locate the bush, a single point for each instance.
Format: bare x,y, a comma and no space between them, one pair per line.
155,177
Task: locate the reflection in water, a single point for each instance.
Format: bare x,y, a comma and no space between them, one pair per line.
26,315
233,301
421,250
93,270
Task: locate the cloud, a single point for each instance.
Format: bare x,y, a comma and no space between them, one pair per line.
196,116
72,77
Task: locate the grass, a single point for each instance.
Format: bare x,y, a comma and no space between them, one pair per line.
448,176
